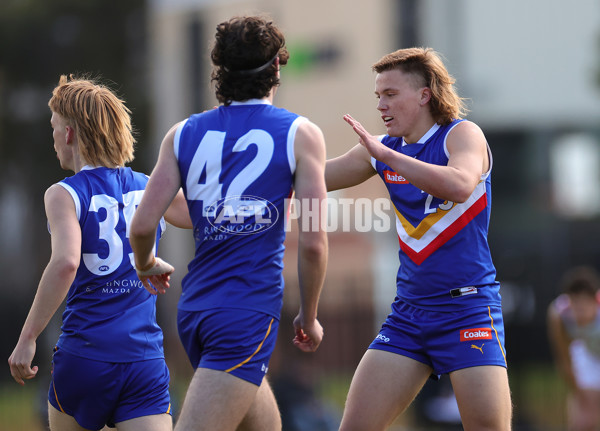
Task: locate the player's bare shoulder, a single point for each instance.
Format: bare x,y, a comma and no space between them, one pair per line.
309,140
56,196
467,130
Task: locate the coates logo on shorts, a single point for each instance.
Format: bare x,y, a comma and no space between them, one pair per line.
476,334
242,215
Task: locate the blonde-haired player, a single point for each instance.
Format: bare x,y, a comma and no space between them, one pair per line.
446,317
108,363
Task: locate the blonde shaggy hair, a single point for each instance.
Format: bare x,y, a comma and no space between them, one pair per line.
101,120
426,65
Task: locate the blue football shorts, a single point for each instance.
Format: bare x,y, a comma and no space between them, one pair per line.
239,342
104,393
445,340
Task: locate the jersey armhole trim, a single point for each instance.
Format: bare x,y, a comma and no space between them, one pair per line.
373,159
446,152
489,152
291,139
74,196
163,227
177,138
489,171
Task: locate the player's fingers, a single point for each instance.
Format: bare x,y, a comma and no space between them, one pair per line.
297,341
29,373
160,288
305,346
155,284
161,282
351,121
361,131
23,372
19,380
149,287
16,375
165,278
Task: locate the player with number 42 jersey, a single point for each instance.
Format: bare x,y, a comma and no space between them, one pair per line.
236,180
237,164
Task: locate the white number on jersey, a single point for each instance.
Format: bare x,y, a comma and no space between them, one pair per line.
444,206
107,231
208,159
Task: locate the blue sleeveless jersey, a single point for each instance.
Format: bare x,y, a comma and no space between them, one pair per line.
237,165
443,244
109,315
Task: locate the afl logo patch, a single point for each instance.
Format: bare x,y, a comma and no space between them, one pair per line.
242,215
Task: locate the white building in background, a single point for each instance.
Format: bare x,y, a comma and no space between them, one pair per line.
525,64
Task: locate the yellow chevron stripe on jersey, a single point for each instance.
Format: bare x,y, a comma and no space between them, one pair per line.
424,225
433,232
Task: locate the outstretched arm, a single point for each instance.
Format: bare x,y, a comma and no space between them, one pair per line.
310,191
349,169
55,282
456,181
163,186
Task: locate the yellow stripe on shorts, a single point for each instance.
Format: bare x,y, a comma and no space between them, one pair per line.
500,344
255,352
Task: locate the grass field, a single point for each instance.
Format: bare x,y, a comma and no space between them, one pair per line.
537,391
538,395
19,408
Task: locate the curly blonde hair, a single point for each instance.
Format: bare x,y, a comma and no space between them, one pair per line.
427,66
101,120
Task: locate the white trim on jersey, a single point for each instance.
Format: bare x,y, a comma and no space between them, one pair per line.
74,196
417,244
489,151
373,159
489,171
250,102
446,152
426,136
291,140
177,137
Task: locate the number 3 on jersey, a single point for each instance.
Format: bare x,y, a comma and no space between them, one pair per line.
107,231
208,160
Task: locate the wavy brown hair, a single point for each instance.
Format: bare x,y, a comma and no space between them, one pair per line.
426,64
101,120
244,56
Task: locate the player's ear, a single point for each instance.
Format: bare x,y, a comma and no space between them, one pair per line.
69,134
425,95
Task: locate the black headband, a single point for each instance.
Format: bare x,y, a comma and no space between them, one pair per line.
252,71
